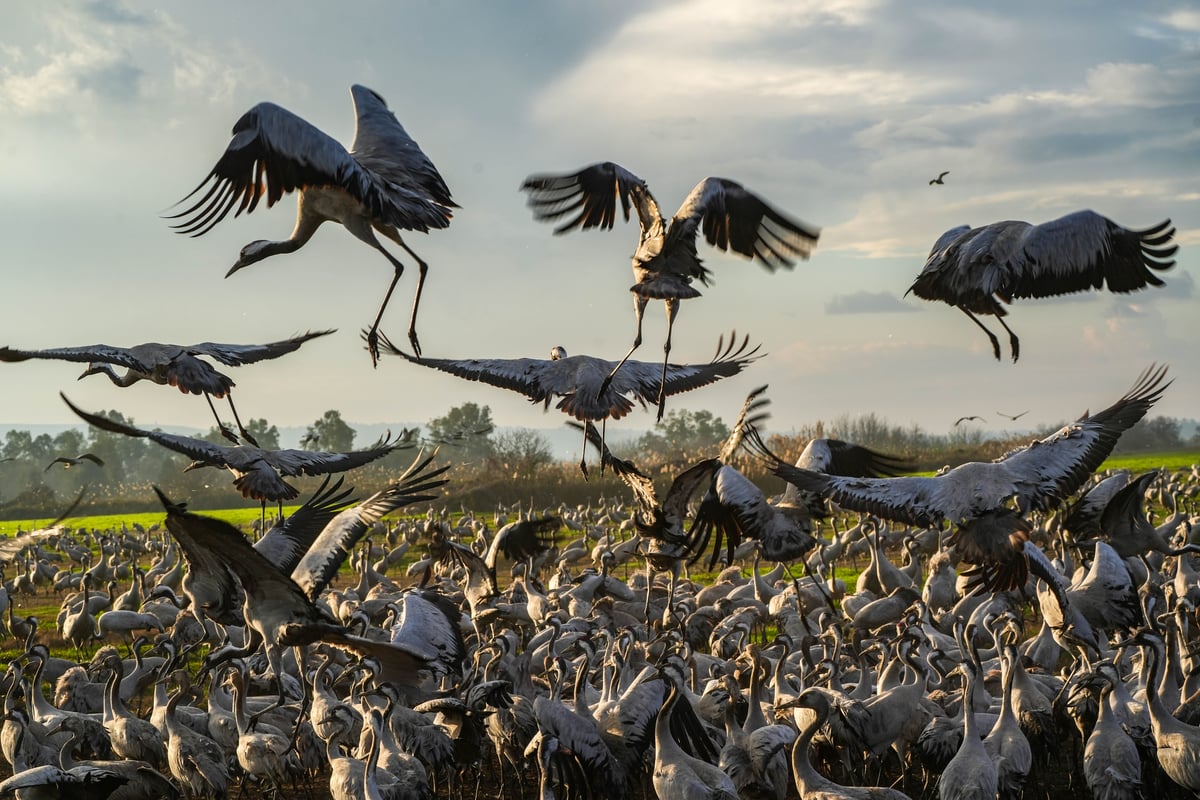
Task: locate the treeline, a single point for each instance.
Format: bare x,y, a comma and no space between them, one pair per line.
490,467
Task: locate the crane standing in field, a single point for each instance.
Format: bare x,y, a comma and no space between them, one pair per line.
175,365
975,269
383,184
666,262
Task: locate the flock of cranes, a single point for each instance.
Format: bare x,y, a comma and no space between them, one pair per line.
602,666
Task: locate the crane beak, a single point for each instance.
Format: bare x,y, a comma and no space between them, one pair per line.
235,268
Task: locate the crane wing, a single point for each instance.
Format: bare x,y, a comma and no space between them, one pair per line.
643,379
383,146
593,192
1080,251
326,554
752,413
211,579
85,354
286,543
1053,468
235,355
196,449
312,462
735,219
641,484
273,152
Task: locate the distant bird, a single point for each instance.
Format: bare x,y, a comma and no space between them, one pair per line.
977,270
258,473
586,383
1013,417
1038,476
383,184
972,418
666,262
938,180
172,365
68,461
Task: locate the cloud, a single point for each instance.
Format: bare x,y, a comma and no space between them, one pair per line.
866,303
1178,285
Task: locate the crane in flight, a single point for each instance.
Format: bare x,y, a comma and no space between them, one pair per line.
980,270
586,385
75,461
975,495
940,179
175,365
257,473
383,184
666,262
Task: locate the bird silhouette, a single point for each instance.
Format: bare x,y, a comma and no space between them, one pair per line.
1013,417
586,385
666,262
383,184
175,365
938,180
972,418
978,270
258,473
69,461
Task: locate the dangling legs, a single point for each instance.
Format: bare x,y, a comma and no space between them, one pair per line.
991,336
373,333
639,308
241,428
228,434
422,269
672,310
1013,341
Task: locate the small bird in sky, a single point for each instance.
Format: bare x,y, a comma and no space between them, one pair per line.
972,418
938,180
1013,417
68,461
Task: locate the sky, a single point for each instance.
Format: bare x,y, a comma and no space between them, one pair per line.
837,113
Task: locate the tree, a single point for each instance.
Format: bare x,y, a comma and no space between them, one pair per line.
683,431
264,433
520,452
467,429
330,433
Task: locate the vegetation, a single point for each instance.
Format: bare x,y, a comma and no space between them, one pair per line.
489,467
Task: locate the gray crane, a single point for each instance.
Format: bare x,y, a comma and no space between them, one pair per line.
666,262
586,384
975,495
979,270
175,365
383,184
258,473
75,461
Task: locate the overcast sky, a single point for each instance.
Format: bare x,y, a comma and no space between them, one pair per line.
837,112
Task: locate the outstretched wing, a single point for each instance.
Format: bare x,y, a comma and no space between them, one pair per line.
734,218
594,192
286,543
753,413
234,355
518,374
1051,469
313,462
85,354
643,379
196,449
327,553
273,152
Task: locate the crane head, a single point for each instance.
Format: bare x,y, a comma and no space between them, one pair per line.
252,253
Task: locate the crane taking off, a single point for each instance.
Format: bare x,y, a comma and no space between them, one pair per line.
383,184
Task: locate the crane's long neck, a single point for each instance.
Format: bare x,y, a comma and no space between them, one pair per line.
806,776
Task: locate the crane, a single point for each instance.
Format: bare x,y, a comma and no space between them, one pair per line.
75,461
586,384
258,473
175,365
383,184
979,270
940,179
666,262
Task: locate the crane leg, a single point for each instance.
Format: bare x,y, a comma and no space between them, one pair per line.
583,456
228,434
991,336
422,269
241,428
639,308
1013,341
672,310
373,333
